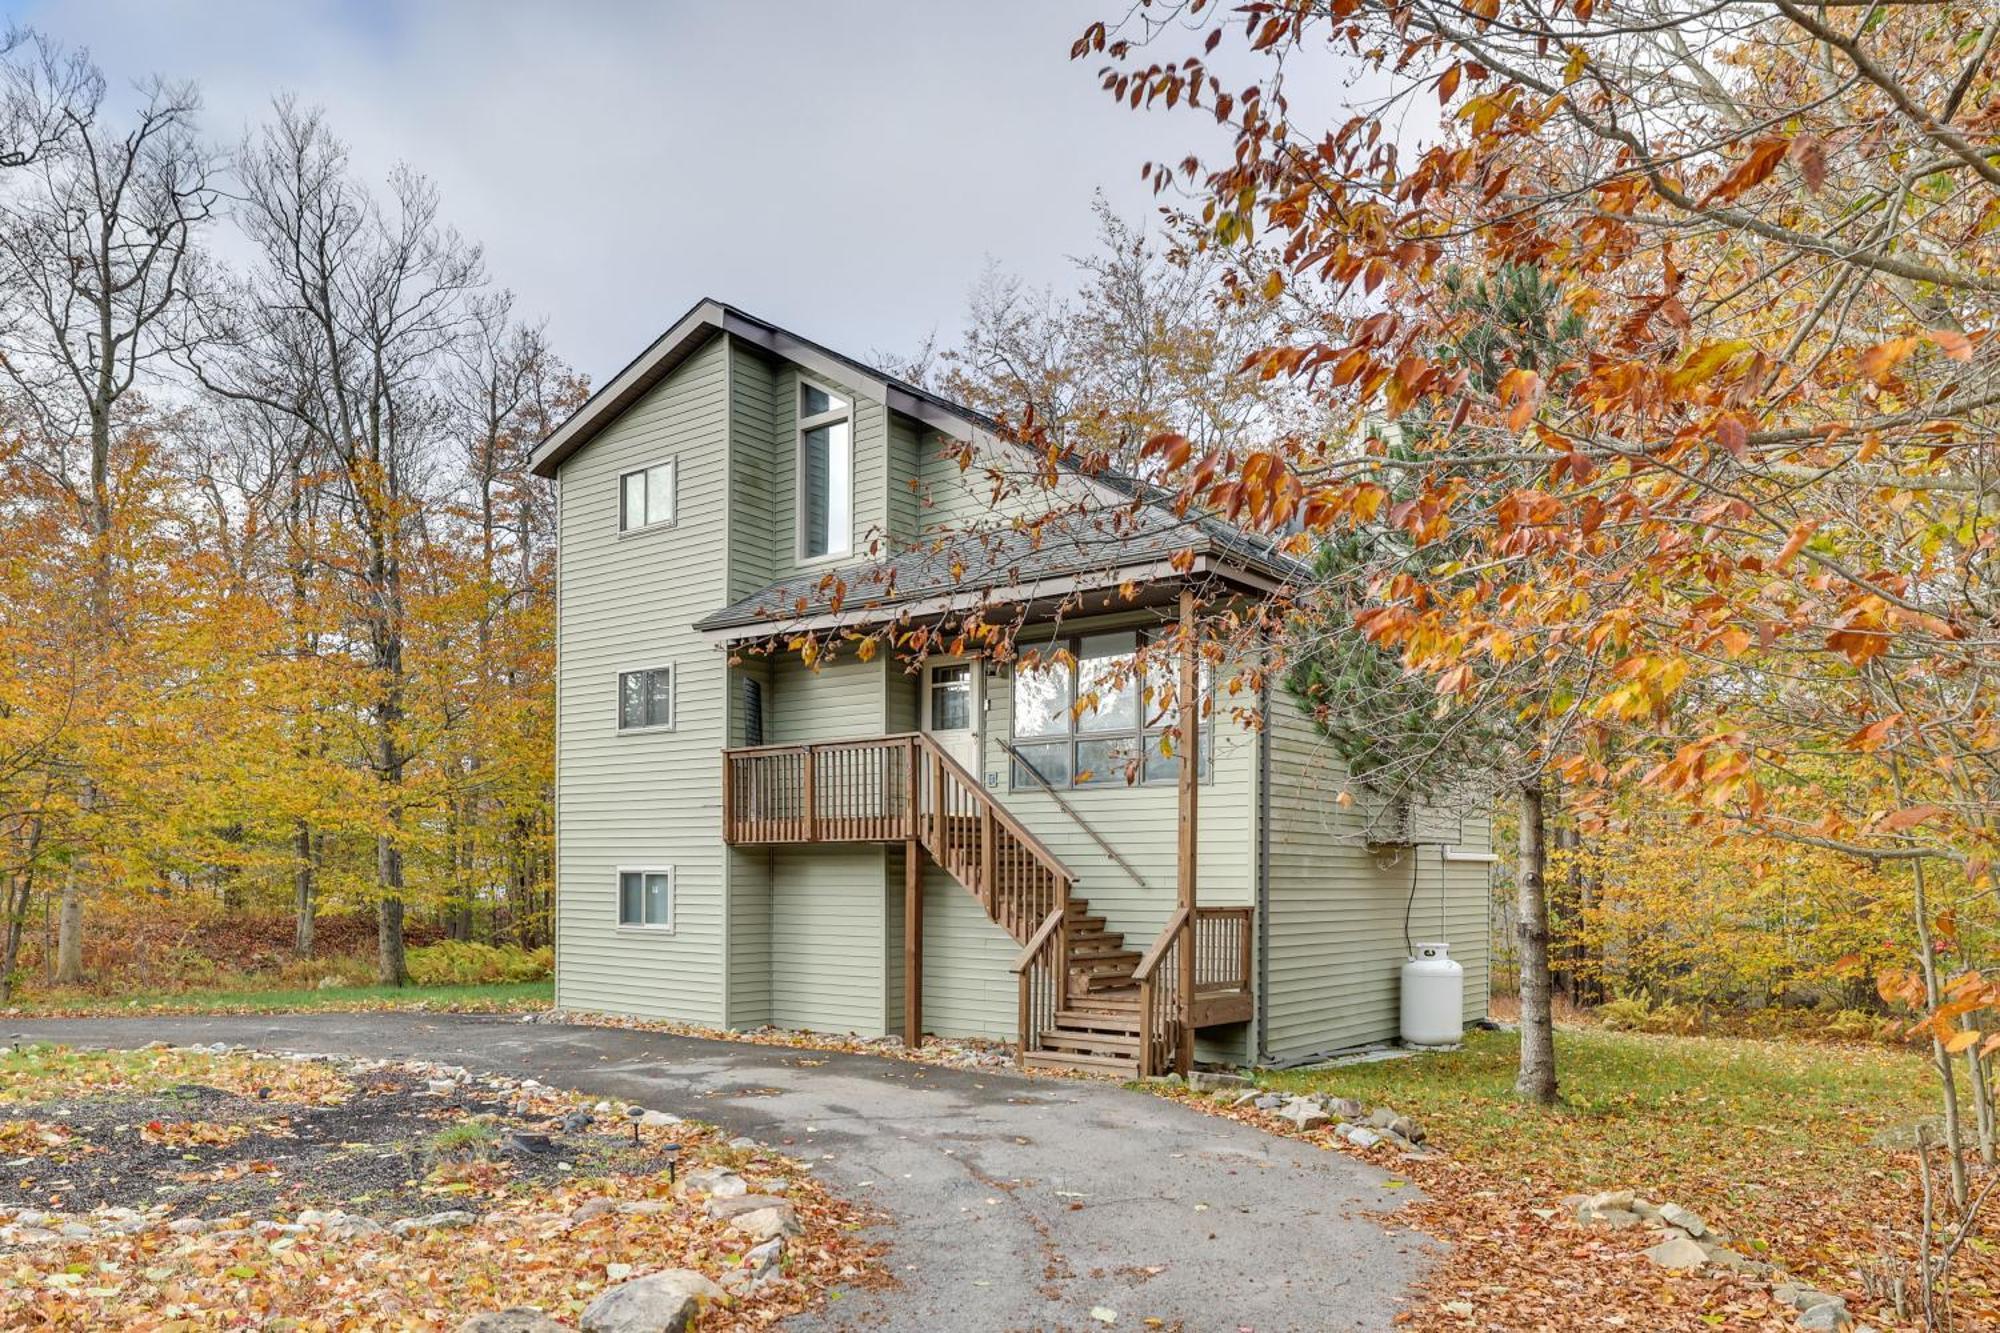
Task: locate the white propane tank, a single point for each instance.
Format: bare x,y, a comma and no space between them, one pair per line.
1433,998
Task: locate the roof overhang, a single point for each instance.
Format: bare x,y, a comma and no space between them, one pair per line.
1157,582
687,336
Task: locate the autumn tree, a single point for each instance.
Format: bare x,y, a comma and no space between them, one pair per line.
344,326
97,237
1772,465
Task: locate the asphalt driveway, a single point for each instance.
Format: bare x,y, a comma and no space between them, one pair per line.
1017,1203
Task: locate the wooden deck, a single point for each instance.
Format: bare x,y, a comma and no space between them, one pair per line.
1086,1000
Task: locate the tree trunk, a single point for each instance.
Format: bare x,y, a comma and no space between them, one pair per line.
1954,1135
1537,1080
305,904
69,932
390,967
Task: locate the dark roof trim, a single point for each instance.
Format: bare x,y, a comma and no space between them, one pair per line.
933,602
709,317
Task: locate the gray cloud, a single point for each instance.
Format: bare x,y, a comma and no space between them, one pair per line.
842,168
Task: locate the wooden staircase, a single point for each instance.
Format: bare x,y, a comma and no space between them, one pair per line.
1087,1001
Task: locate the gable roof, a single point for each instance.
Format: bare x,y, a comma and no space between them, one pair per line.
1135,537
709,317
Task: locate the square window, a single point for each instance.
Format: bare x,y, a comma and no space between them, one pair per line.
646,699
1110,762
645,898
646,497
1050,761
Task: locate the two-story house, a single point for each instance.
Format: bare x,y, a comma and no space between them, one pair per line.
952,844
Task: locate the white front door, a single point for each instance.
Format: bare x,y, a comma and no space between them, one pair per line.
951,710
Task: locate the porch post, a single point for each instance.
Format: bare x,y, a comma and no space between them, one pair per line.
913,943
1190,788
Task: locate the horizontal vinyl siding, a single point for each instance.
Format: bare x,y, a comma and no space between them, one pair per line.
756,529
968,989
652,798
831,932
1337,908
829,938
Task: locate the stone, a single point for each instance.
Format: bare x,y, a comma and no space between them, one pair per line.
1616,1218
445,1221
1362,1137
593,1208
1346,1108
520,1319
1382,1117
1803,1299
1676,1216
745,1144
1270,1101
1211,1081
75,1231
1620,1199
1302,1114
1677,1252
664,1302
658,1120
188,1226
644,1207
34,1236
767,1223
1245,1098
440,1087
351,1227
737,1205
763,1257
1407,1129
1831,1316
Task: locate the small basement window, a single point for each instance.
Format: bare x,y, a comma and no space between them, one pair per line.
646,699
646,897
646,497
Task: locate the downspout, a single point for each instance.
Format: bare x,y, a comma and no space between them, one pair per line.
1263,875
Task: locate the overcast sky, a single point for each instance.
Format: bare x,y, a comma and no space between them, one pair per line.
843,169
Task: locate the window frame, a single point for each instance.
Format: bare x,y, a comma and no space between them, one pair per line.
618,898
801,425
673,699
1145,733
673,518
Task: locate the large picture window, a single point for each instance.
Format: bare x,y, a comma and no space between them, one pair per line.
826,472
1087,716
646,497
646,897
646,699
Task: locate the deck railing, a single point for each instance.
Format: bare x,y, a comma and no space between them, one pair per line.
893,789
1168,1012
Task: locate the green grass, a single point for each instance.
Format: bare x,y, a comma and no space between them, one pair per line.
466,1138
508,995
1695,1117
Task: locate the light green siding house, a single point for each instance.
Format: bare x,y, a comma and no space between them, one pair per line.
941,838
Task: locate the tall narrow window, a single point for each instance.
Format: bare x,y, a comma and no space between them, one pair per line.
826,472
646,699
646,898
753,711
646,497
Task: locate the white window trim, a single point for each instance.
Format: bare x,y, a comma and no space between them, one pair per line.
1467,856
801,426
618,898
673,699
673,520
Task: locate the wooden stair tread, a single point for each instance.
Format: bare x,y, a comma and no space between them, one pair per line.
1087,1043
1114,1064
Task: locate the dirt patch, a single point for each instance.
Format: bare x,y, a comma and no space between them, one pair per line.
378,1153
192,1184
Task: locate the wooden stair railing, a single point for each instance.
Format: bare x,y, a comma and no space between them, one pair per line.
1168,1019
